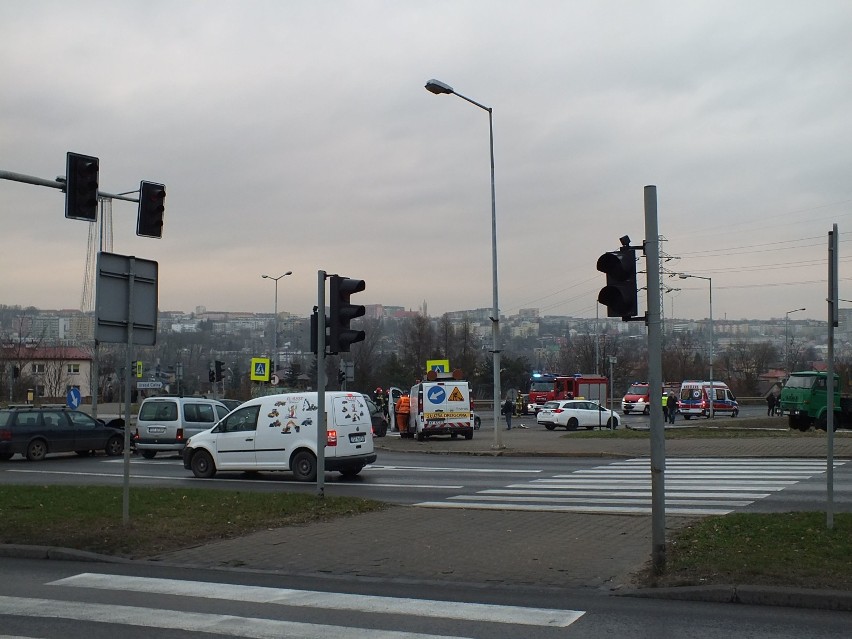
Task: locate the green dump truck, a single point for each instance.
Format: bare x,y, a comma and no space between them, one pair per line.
805,400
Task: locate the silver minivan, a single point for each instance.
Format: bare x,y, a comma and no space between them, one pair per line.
165,423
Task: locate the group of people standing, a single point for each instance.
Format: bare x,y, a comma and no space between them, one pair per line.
669,407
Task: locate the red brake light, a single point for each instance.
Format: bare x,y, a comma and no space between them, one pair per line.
556,410
179,435
332,438
5,435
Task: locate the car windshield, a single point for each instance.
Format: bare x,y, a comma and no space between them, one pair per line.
800,381
638,389
541,387
550,405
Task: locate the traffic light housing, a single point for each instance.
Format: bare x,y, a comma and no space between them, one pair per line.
219,371
619,295
81,187
137,369
342,312
152,206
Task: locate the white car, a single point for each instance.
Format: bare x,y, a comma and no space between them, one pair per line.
575,413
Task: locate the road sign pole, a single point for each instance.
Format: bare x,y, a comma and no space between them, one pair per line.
322,434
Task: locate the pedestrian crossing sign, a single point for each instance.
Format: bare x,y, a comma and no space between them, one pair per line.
260,369
438,365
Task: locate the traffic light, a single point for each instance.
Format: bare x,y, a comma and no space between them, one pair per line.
81,187
137,369
341,377
219,374
152,205
211,376
341,312
619,294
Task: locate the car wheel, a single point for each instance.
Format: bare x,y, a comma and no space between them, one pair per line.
114,446
477,422
36,450
735,412
625,411
383,430
612,423
647,410
304,466
350,472
468,435
149,454
202,465
421,437
550,426
572,424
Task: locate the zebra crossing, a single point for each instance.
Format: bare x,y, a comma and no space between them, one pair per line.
693,487
284,606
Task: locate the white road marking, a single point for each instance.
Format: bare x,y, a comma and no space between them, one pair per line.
225,625
328,600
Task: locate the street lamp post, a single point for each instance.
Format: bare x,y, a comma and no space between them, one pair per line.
275,323
438,88
684,276
787,338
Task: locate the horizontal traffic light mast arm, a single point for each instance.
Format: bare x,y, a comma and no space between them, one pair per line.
58,183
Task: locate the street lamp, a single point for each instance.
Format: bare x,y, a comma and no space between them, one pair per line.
684,276
787,338
438,88
275,325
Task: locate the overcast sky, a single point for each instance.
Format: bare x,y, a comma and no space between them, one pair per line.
299,136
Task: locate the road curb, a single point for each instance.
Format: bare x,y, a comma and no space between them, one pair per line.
788,597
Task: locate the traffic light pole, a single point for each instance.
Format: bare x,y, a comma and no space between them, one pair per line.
54,184
322,426
655,383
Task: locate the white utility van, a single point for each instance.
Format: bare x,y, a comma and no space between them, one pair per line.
279,432
441,408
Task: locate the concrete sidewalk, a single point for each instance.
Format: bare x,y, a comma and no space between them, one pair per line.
505,548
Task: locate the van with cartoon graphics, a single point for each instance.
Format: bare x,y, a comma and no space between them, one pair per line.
279,433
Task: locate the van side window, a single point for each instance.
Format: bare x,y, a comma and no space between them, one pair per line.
204,413
244,419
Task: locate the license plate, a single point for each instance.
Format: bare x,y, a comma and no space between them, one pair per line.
358,438
156,430
434,422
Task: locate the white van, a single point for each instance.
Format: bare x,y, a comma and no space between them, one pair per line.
695,399
441,408
165,423
279,432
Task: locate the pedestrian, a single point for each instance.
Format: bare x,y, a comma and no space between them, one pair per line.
665,408
770,403
671,405
508,410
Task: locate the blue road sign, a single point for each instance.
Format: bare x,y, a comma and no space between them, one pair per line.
437,394
73,398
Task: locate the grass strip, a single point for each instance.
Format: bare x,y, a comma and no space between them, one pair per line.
778,549
161,519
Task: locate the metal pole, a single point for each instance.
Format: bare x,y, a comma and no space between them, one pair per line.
275,332
322,426
832,322
712,354
125,511
495,319
655,384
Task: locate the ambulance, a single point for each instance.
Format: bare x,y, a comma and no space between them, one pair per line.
695,399
279,433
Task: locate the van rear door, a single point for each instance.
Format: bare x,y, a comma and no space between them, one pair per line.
352,427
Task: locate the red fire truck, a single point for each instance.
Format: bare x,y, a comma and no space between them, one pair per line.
545,387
